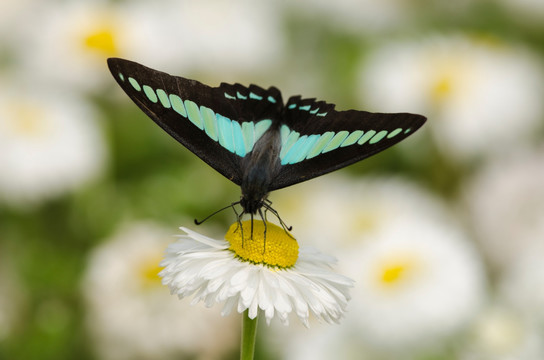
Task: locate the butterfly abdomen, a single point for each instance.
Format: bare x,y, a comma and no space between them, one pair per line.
259,169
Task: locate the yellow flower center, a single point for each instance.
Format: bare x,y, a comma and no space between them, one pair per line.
102,40
442,88
149,271
393,273
27,119
276,248
397,270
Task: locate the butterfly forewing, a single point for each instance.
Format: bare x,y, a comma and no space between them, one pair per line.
316,139
220,125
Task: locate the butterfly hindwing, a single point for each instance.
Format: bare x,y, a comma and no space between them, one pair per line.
316,139
220,125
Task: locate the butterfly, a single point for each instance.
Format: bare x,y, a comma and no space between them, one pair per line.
252,138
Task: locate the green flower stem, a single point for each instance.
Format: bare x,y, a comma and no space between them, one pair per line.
249,335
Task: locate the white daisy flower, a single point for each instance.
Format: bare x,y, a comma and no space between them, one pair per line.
10,18
49,144
68,43
483,96
226,37
417,285
352,211
506,205
130,315
269,274
419,281
522,284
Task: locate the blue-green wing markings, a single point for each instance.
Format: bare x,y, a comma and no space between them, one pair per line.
177,105
287,141
193,113
261,127
210,122
163,98
336,141
352,138
296,148
231,135
133,82
394,133
302,151
379,136
248,133
150,93
224,125
366,136
320,144
238,137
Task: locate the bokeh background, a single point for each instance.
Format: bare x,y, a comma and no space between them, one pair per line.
444,233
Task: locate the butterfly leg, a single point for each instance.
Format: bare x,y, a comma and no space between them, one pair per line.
251,237
263,218
239,221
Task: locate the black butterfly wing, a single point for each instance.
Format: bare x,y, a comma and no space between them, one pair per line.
218,124
316,139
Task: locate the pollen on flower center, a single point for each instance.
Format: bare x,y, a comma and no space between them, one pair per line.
393,273
442,88
27,119
102,40
149,271
277,248
397,270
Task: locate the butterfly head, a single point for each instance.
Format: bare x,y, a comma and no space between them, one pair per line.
252,202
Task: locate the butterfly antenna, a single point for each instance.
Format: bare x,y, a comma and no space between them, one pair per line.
217,212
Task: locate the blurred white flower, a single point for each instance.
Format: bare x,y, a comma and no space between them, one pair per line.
352,211
500,333
214,35
357,15
418,279
318,343
10,18
49,144
67,45
481,96
506,205
522,284
267,273
418,282
132,316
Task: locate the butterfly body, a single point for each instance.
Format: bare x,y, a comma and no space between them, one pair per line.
251,137
260,168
